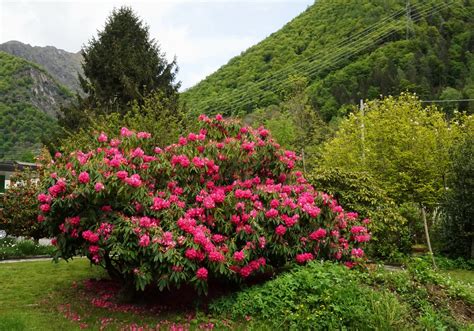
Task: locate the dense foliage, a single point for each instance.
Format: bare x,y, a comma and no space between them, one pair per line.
350,51
18,217
402,144
361,193
156,115
325,296
457,227
23,124
222,203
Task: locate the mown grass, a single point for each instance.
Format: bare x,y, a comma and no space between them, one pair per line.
26,288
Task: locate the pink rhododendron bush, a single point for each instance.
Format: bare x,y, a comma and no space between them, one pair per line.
223,203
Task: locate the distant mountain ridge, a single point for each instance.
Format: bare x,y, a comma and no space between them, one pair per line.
62,65
30,100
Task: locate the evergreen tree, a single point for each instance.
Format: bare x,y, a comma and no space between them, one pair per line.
123,64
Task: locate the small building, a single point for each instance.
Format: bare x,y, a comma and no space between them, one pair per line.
8,168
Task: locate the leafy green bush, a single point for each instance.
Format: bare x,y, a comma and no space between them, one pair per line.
11,248
225,203
20,206
322,296
362,193
457,229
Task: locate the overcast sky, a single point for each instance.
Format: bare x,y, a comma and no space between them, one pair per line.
203,35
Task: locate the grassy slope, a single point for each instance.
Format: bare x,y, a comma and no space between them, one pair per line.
324,33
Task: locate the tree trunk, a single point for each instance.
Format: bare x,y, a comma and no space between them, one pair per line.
111,270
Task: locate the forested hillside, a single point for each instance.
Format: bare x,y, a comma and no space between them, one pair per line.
29,102
348,50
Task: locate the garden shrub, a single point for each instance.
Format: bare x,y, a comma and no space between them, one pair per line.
320,296
18,217
362,193
224,203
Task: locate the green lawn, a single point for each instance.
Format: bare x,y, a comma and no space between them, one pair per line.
43,295
31,291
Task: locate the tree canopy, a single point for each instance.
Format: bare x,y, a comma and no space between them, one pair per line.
401,143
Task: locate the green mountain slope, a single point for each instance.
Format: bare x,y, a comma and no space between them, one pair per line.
61,65
348,50
29,102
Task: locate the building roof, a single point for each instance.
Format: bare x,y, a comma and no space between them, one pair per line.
11,166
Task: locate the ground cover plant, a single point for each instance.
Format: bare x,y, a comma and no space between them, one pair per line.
10,248
223,203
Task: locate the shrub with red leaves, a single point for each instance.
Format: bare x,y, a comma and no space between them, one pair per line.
225,202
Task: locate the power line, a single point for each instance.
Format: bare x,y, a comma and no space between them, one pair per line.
339,56
450,100
325,61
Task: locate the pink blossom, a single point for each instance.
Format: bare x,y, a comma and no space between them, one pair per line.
143,135
304,257
216,257
144,241
246,271
84,177
219,117
122,174
45,208
99,187
272,213
102,138
202,273
182,141
280,230
191,254
318,234
358,229
74,221
134,180
248,146
198,162
93,249
90,236
44,198
362,238
357,252
124,132
137,153
239,256
209,203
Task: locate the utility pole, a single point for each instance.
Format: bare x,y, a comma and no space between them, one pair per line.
362,129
